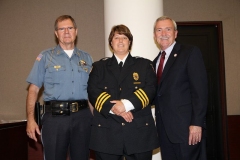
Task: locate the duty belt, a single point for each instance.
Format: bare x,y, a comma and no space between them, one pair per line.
65,107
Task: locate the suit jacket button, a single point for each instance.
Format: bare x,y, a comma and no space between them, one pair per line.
105,87
99,125
123,124
136,87
120,89
146,124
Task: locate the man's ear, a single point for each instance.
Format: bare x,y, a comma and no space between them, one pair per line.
176,32
56,34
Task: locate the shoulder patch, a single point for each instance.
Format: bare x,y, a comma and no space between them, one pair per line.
39,57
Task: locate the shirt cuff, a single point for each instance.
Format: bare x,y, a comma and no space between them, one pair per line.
127,104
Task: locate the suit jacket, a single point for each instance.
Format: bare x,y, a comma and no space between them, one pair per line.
135,82
181,98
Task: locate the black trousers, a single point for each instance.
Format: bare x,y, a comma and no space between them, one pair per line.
61,134
180,151
137,156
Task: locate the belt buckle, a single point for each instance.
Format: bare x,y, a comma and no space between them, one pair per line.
74,107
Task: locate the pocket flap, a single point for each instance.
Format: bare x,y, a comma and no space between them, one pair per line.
144,122
100,122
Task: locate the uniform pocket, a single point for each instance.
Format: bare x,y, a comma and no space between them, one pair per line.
144,122
55,73
100,122
84,74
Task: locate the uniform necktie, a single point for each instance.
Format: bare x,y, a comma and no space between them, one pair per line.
120,65
160,66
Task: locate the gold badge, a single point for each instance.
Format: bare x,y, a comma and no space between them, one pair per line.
57,67
82,63
135,76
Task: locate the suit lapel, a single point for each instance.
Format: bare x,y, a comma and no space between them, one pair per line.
155,61
172,57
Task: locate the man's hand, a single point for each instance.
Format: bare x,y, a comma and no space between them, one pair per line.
118,107
127,116
195,135
32,128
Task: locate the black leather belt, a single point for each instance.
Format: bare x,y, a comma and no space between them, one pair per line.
65,107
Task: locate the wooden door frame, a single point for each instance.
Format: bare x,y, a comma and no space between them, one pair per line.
222,84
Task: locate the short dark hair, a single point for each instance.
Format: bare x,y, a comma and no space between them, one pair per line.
62,18
120,29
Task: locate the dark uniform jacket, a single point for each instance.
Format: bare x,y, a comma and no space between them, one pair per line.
136,82
182,94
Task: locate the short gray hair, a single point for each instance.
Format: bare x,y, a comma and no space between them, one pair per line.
165,18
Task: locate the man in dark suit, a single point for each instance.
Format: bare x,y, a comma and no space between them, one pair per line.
123,125
181,99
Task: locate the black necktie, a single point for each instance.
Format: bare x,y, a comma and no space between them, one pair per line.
120,65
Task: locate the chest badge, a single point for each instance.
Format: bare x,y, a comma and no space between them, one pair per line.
57,67
82,63
135,76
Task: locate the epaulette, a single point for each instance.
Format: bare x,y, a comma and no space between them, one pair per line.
105,58
138,57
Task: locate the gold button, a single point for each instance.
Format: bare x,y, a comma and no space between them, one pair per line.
123,124
146,124
61,112
136,87
99,125
120,89
105,87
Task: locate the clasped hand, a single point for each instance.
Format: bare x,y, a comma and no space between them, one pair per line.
119,109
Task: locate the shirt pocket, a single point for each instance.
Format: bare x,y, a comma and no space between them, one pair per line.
55,74
84,74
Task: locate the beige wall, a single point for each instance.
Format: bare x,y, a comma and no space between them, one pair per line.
27,28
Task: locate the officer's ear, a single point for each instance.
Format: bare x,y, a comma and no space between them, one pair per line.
56,34
76,31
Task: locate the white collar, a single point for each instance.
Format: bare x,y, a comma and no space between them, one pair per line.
121,60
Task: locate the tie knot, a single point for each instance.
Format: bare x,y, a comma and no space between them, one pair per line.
163,53
120,64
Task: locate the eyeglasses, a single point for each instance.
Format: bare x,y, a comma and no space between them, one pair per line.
68,28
